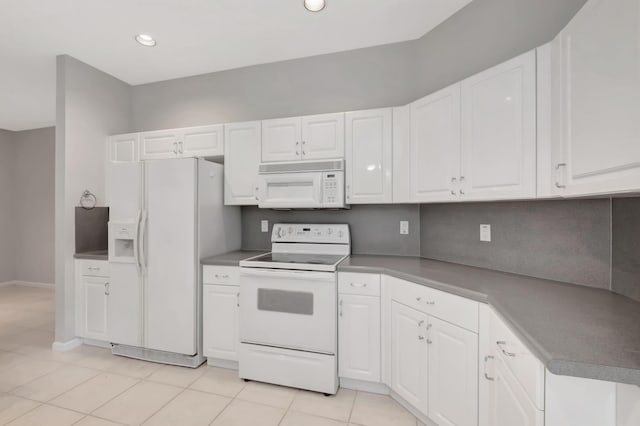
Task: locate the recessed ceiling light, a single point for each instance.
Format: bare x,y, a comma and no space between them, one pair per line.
145,40
314,5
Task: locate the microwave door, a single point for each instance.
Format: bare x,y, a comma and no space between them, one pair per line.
291,190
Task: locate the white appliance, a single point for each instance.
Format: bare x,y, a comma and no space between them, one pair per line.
288,307
165,215
302,184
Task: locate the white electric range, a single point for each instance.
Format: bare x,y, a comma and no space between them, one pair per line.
288,307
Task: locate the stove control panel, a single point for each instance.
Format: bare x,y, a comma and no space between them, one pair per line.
310,233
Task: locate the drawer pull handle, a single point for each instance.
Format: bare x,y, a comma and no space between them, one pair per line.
418,299
500,344
430,303
420,323
429,341
420,337
358,285
486,376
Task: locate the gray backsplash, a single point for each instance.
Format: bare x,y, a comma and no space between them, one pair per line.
625,265
375,229
91,229
565,240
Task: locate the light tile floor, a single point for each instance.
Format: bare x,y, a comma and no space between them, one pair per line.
90,387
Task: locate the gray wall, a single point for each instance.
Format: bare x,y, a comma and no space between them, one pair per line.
34,205
375,229
90,105
7,155
625,271
357,79
565,240
483,34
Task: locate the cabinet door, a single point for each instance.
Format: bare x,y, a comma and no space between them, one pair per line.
323,136
241,162
159,144
205,141
359,337
220,321
453,374
123,148
368,156
499,132
281,139
600,91
409,360
435,146
95,292
509,404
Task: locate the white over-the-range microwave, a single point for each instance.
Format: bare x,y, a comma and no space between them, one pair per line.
302,185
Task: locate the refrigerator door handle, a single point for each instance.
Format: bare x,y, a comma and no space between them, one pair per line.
136,248
141,240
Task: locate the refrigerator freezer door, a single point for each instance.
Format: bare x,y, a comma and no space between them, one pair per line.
169,239
124,307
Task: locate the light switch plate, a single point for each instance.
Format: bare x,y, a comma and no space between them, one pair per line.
404,227
485,233
264,225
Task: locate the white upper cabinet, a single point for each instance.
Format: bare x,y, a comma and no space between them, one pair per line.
202,141
435,146
159,144
596,68
281,139
323,136
453,374
311,137
401,154
368,156
123,148
242,159
499,132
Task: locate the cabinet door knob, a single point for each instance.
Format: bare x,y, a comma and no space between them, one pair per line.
501,344
106,289
420,337
486,376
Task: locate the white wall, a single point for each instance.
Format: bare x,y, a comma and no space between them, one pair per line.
7,264
90,105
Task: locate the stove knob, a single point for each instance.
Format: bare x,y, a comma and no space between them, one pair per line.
281,232
329,231
290,230
340,234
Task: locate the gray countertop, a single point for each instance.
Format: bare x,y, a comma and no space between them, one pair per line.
93,255
232,258
574,330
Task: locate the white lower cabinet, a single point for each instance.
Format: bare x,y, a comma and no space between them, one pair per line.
453,374
509,404
359,337
92,299
409,372
220,318
220,312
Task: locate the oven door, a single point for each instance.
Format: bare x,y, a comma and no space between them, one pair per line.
290,190
289,309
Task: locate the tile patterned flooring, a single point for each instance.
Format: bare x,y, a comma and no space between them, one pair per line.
90,387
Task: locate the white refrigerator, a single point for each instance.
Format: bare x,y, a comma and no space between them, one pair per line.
165,216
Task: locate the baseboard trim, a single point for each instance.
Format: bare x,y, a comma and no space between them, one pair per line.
27,284
97,343
361,385
222,363
66,346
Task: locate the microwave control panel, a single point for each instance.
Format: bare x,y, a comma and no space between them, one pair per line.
333,189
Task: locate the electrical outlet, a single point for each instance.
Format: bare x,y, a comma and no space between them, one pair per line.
404,227
264,225
485,233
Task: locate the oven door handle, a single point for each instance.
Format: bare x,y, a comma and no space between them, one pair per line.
278,273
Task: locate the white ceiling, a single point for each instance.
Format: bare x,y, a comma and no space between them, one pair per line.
194,37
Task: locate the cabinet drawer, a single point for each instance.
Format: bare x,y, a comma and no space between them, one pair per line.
223,275
94,268
357,283
454,309
526,368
